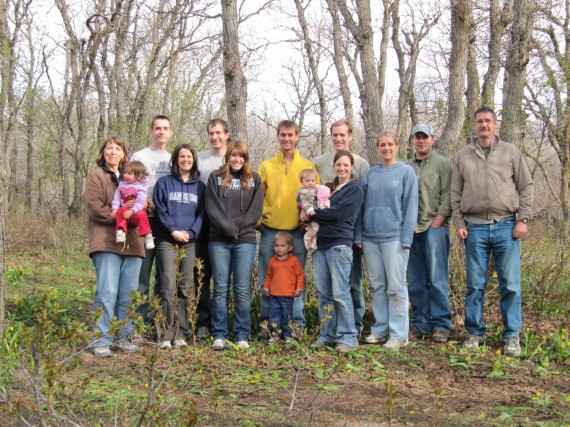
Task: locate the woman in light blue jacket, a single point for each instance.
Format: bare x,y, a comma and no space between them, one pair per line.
386,231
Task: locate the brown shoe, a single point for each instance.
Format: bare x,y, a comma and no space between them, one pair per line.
440,336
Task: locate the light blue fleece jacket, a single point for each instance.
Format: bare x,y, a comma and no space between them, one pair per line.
390,208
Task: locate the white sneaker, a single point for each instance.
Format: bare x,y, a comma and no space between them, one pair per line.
125,346
180,343
120,236
394,344
149,241
243,345
102,352
164,345
374,339
219,344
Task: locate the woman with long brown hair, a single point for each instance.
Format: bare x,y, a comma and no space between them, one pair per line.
234,203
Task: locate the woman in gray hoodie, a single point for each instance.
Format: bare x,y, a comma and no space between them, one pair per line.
386,231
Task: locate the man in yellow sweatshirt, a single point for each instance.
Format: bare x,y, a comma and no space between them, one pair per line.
280,180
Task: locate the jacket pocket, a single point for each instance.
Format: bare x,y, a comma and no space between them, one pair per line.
380,221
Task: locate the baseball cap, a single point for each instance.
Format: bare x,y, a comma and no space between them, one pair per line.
423,128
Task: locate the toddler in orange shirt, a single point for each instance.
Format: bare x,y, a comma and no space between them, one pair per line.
284,281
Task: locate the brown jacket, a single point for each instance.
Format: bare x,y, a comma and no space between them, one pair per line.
99,191
491,188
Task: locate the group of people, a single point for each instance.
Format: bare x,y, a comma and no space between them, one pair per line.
396,214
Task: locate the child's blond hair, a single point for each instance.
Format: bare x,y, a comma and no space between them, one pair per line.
305,173
283,235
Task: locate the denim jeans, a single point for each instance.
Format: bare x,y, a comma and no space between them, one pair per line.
386,265
231,262
280,313
205,301
332,274
428,286
117,277
266,251
481,240
356,288
174,291
144,278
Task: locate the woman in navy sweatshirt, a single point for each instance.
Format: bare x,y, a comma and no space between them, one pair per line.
179,208
333,259
234,203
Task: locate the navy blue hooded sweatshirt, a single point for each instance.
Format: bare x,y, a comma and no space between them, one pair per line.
337,222
179,205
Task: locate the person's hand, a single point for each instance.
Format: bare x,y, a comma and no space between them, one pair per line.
358,245
298,292
520,230
129,204
438,221
113,213
128,214
180,236
462,233
266,292
149,206
304,217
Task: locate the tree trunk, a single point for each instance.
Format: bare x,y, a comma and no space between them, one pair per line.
498,21
317,82
515,70
370,96
461,22
9,109
236,84
339,64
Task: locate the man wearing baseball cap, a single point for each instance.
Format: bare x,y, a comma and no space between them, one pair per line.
428,263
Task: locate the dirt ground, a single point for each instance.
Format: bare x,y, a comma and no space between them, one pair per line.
429,386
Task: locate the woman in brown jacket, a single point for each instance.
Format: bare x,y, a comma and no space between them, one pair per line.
117,266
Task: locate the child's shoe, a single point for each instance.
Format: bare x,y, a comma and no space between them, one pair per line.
149,241
120,236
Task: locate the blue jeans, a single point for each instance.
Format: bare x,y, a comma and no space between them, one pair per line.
231,261
117,277
280,313
481,240
356,288
174,290
386,265
428,286
332,274
266,251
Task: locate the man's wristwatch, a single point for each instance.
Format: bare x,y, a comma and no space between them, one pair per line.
524,220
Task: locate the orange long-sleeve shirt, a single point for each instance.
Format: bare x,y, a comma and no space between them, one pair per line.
284,277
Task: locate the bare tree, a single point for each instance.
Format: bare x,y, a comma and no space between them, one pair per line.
315,75
236,83
338,60
548,97
12,19
407,71
372,81
461,22
515,70
499,18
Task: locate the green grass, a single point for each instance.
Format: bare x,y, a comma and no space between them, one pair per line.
52,286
